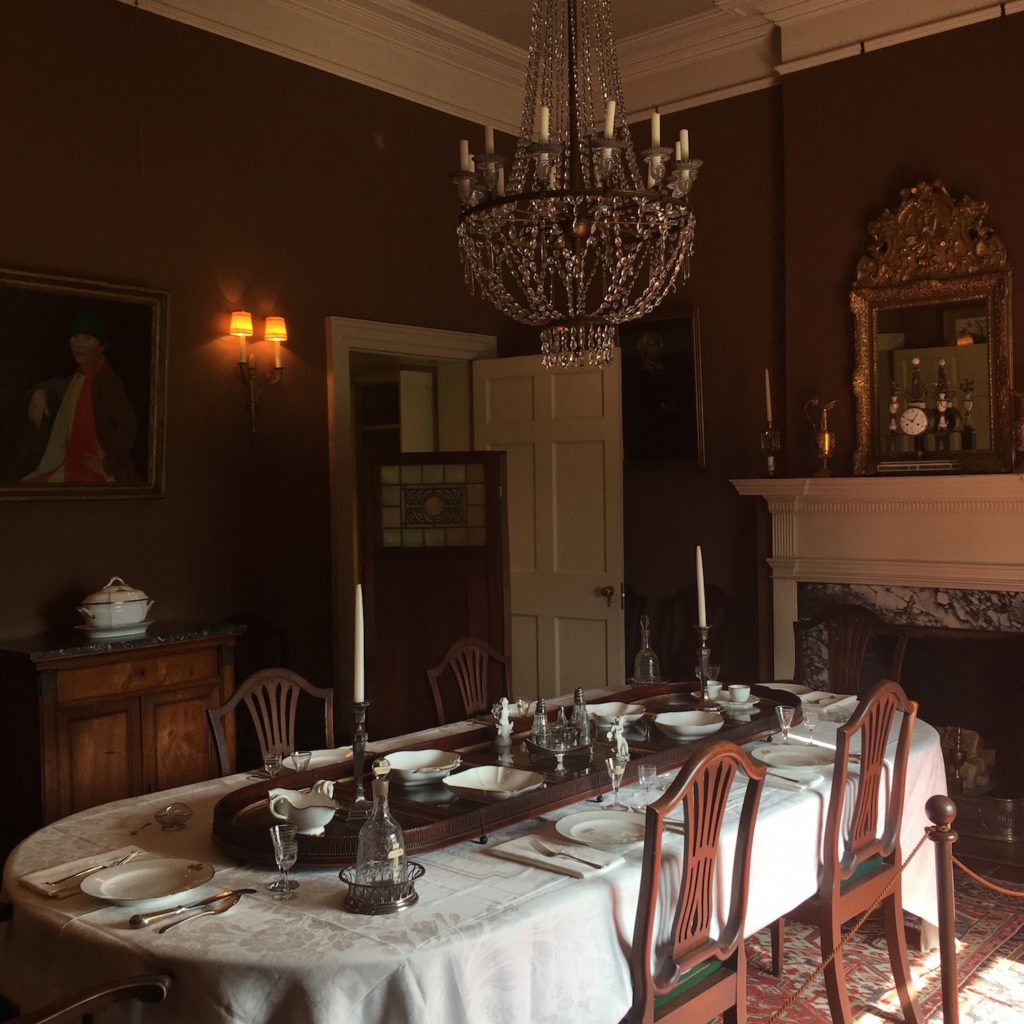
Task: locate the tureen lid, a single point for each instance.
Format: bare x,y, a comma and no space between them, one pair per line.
115,592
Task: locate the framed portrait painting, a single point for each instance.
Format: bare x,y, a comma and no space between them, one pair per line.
81,388
662,405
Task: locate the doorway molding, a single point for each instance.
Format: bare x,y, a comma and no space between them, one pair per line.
344,336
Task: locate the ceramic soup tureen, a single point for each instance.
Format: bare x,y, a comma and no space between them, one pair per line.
115,606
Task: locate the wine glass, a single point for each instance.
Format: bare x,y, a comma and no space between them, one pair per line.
616,769
286,852
811,719
785,715
300,759
272,765
646,773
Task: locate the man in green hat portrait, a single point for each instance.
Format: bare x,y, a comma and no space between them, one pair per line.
91,422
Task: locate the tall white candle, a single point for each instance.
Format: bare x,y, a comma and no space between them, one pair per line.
609,120
702,613
684,144
488,139
544,130
679,151
655,130
358,675
463,154
767,395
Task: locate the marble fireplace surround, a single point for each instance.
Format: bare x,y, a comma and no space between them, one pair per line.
935,533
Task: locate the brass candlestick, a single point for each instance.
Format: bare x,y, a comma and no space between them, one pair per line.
361,807
703,663
817,416
771,445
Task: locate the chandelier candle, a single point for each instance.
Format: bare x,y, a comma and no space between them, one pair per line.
578,236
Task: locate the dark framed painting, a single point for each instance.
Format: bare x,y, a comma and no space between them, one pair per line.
662,403
81,388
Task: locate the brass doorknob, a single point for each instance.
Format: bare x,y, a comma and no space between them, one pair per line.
608,593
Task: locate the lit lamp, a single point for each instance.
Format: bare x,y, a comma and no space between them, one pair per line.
275,330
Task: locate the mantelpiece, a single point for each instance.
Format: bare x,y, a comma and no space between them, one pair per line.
949,531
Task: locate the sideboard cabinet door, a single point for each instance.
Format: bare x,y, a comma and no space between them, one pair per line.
176,746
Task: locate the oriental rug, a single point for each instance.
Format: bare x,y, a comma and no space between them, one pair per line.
990,967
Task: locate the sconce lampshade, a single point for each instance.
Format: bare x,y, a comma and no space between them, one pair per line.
241,324
276,329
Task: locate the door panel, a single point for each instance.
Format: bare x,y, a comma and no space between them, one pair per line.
562,434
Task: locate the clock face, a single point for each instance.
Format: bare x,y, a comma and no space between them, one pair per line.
913,421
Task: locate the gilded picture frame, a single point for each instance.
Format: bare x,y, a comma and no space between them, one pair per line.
82,388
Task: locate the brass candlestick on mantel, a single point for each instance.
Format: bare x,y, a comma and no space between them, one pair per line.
771,445
817,416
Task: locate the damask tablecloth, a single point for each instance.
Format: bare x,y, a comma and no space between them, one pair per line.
490,941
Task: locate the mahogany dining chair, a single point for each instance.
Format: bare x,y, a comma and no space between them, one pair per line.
697,977
272,697
79,1008
860,866
470,677
849,628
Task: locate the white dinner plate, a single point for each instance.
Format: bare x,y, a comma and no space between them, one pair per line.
151,878
737,705
795,758
794,688
688,725
493,782
608,830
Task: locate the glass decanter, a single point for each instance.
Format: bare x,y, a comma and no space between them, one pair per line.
380,850
645,665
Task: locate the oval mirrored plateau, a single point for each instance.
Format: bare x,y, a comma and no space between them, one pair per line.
146,879
607,830
795,758
607,713
493,782
419,767
794,688
689,724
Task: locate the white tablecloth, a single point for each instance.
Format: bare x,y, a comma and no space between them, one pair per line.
490,939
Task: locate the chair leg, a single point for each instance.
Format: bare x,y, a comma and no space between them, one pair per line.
737,1013
835,973
896,938
778,932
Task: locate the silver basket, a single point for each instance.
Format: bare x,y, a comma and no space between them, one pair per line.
381,893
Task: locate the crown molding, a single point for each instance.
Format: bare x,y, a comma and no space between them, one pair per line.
405,49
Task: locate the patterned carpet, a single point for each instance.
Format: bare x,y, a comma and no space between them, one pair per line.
990,959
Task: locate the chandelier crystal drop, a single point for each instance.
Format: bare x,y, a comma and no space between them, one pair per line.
577,239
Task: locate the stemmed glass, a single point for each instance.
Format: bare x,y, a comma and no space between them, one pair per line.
300,760
785,715
272,765
286,852
811,719
616,769
646,773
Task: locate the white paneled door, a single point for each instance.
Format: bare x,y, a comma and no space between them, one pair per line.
563,435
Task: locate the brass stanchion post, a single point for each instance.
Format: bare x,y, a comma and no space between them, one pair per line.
941,811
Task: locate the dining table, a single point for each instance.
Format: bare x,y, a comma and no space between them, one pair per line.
490,938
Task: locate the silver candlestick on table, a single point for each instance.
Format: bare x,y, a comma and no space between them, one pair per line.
703,662
361,807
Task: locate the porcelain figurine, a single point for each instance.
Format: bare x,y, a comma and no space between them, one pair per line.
504,725
618,740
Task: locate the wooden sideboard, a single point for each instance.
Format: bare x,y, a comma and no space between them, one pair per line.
90,721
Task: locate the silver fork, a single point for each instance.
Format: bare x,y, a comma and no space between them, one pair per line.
544,851
96,867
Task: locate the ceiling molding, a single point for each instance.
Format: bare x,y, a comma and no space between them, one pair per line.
405,49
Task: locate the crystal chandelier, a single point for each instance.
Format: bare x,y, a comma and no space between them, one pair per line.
576,239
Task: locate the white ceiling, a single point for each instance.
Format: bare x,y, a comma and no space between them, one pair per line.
468,57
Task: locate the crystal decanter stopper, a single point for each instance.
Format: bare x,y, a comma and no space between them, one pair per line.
380,850
645,665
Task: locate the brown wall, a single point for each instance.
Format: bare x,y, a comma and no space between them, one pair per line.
266,185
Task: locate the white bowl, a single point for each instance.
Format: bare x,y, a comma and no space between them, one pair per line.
310,813
492,782
688,724
607,713
419,767
739,692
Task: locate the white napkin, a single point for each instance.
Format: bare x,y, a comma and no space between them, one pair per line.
821,698
519,849
322,757
36,880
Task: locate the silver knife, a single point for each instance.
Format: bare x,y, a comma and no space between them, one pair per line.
141,920
218,908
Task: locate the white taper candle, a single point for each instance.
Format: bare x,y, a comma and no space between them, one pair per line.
358,674
768,395
702,613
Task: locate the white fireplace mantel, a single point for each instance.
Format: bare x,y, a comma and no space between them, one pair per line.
910,531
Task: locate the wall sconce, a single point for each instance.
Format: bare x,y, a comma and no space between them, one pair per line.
274,330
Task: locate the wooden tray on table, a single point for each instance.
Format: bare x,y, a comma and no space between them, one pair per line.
434,816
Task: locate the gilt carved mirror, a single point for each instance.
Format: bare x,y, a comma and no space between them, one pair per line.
931,305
